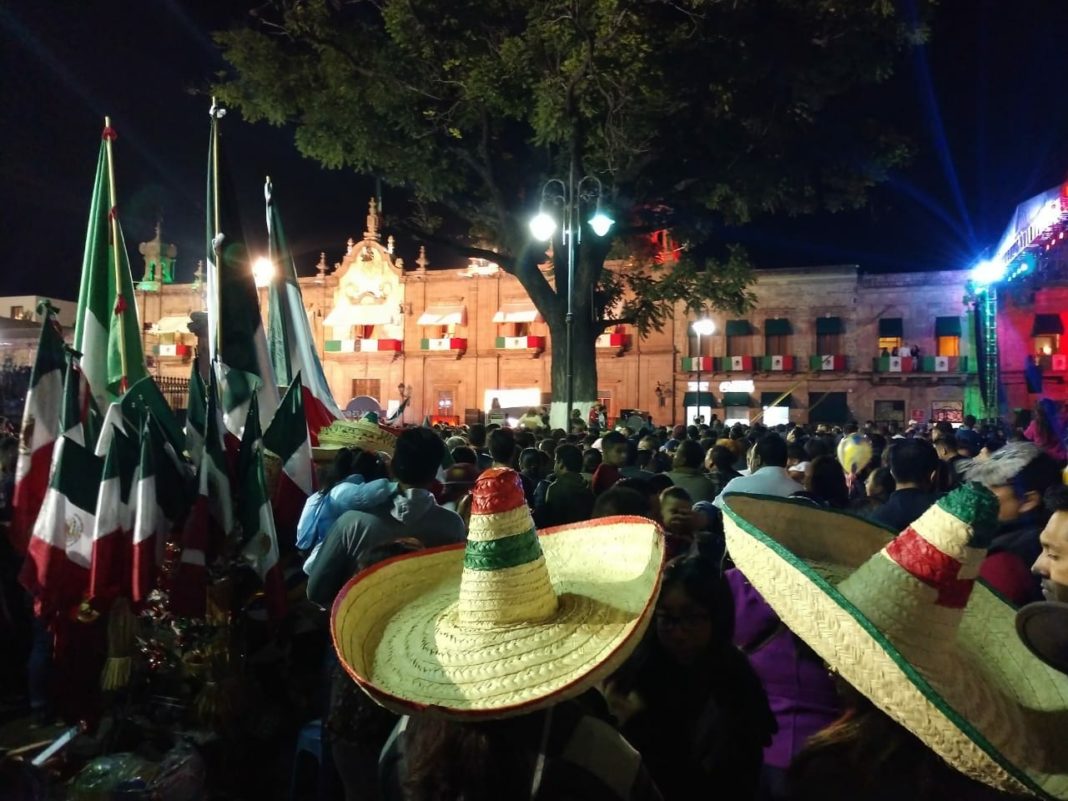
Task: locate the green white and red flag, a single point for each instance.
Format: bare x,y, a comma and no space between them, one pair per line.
195,415
110,566
159,502
56,570
258,535
235,328
106,329
210,520
289,335
40,428
288,438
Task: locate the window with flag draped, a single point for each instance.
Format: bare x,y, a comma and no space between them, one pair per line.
891,334
947,336
829,332
777,332
738,332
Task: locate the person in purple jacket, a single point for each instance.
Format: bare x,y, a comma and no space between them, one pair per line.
801,692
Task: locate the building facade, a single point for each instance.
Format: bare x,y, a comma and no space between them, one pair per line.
821,344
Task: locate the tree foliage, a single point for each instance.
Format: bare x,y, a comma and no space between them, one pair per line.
693,114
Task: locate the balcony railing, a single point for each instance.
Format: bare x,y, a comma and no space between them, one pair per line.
363,346
920,364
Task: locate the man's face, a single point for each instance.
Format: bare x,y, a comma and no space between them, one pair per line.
616,455
677,515
1010,506
1052,564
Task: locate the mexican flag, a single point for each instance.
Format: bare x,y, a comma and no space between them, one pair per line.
158,499
79,416
195,415
109,570
106,329
259,539
288,438
235,328
289,336
56,570
210,520
40,428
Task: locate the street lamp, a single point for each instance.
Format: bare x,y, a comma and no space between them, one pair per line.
262,272
703,328
570,197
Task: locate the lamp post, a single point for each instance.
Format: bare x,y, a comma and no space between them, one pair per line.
703,328
570,197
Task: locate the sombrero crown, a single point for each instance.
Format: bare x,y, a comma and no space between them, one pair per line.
905,621
366,433
510,622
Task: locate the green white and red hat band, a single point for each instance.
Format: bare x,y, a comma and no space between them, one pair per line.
945,547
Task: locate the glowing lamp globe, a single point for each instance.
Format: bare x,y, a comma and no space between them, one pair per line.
543,226
262,271
704,327
601,223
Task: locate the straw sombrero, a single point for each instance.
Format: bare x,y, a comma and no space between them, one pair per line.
1043,628
904,621
514,621
366,433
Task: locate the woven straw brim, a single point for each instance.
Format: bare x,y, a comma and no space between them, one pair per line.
396,630
981,701
358,434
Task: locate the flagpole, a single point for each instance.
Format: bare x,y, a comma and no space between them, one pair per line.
113,216
213,325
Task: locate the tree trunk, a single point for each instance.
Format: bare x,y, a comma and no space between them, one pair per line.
584,363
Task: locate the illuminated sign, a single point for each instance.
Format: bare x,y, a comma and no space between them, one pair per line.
746,386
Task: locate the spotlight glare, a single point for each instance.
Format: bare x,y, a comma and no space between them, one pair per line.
988,272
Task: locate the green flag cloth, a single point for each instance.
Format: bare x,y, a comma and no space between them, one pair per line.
106,329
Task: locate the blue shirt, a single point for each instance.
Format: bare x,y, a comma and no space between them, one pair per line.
765,481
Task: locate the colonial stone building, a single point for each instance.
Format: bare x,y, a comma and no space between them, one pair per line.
821,344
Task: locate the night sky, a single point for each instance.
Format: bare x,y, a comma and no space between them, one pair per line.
982,103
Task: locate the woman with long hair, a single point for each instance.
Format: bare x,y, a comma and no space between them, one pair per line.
689,701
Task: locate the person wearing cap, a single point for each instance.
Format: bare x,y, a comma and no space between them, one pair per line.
493,650
411,512
768,476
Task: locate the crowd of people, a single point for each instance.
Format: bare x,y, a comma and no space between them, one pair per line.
708,689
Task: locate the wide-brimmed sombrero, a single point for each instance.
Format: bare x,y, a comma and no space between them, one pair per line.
513,621
1043,628
906,623
366,433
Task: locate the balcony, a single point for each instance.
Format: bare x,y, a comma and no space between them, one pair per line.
734,364
697,364
618,342
921,364
828,363
173,351
778,364
533,345
456,346
393,346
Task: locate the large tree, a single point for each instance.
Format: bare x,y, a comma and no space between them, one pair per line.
692,113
